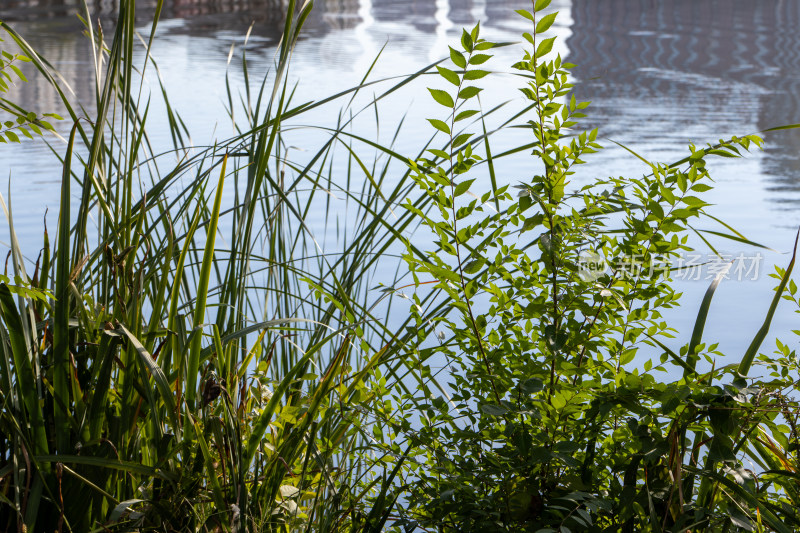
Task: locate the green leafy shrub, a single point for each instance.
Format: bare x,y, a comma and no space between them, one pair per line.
555,415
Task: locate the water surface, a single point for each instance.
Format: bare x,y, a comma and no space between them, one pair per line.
659,75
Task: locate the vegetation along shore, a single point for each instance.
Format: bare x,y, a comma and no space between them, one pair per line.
469,355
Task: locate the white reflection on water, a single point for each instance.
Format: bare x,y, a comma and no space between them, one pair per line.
443,26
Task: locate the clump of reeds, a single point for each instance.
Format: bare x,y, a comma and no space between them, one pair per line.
185,356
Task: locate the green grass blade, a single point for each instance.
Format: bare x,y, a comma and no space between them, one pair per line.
752,350
63,260
23,369
687,369
193,367
700,321
159,378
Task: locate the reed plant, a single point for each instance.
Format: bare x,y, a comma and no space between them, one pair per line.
185,355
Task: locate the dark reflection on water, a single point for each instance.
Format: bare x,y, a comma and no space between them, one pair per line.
688,67
659,73
201,16
33,9
239,14
54,29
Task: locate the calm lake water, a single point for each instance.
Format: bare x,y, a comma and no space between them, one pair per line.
660,74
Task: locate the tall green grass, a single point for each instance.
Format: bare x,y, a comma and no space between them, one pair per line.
203,362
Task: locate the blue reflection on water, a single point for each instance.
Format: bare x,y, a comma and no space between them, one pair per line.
659,75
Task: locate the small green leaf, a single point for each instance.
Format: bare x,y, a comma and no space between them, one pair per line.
547,21
532,385
558,401
527,14
440,179
721,153
461,139
465,114
468,92
475,74
626,357
545,47
439,153
12,136
466,40
475,32
494,410
18,72
442,97
440,125
457,58
541,4
463,187
475,266
694,201
449,75
479,59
